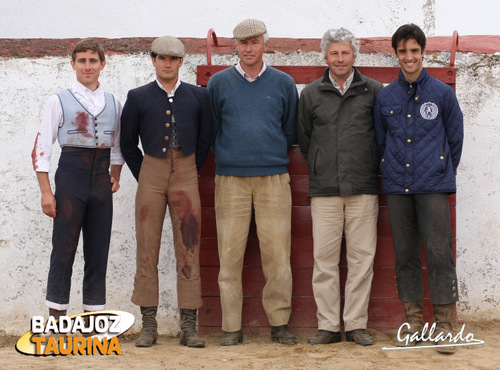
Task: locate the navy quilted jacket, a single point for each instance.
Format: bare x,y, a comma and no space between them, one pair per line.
419,132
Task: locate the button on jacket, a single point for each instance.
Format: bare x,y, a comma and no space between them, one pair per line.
147,114
419,129
336,135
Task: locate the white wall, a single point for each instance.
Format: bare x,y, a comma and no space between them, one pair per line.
25,233
193,18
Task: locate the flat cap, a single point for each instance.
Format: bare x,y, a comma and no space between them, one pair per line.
249,28
168,45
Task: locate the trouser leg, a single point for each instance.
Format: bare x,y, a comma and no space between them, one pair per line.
328,223
96,236
407,248
150,208
273,208
361,214
71,194
185,213
435,231
233,209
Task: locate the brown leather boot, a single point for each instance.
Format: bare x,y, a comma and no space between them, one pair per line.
282,335
444,318
189,335
149,332
414,312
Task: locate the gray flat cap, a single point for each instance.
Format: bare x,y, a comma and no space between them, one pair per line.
168,45
249,28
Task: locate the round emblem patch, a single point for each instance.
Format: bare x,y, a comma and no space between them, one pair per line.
429,111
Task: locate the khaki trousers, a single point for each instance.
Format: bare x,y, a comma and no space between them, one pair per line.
357,216
271,200
171,181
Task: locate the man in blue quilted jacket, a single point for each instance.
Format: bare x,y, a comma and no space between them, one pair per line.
419,131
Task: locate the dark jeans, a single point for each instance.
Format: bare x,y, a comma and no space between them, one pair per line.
83,203
425,218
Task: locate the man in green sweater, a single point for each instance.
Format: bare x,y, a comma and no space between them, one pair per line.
255,111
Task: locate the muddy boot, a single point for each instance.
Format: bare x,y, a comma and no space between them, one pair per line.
189,335
444,318
414,312
149,332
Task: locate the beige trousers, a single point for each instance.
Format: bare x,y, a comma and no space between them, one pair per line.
271,199
171,181
357,216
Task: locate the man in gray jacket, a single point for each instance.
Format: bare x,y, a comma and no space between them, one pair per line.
336,134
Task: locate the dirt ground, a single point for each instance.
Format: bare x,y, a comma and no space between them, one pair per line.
258,352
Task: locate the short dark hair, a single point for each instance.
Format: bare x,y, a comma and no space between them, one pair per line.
89,44
407,32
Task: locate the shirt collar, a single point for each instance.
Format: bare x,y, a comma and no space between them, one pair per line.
347,83
172,93
81,89
239,68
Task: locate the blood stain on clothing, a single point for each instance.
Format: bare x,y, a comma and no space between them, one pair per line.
143,213
190,226
82,123
34,157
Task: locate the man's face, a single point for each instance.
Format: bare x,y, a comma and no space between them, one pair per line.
250,51
167,68
410,56
88,67
340,59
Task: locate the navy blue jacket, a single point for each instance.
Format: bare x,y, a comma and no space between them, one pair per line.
419,131
147,114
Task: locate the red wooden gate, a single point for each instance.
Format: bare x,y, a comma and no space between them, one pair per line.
385,309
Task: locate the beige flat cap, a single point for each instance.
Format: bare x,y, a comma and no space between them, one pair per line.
168,45
249,28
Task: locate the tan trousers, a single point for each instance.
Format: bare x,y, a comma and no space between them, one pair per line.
357,216
171,181
271,200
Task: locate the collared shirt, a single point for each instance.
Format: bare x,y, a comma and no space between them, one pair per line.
347,83
247,77
172,93
93,102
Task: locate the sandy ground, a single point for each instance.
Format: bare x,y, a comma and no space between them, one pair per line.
258,352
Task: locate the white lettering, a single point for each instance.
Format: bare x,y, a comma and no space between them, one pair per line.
64,324
101,324
37,324
115,321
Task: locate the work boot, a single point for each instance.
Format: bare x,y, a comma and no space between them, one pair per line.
149,331
282,335
444,318
414,312
325,337
232,338
189,335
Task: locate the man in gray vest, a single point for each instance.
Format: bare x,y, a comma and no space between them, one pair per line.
86,122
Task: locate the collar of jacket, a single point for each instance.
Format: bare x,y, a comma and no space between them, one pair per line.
326,84
413,86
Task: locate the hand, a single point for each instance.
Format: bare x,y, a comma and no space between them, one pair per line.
115,185
49,205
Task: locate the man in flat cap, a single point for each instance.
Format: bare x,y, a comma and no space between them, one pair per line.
173,121
255,111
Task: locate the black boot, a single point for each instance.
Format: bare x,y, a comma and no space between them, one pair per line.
282,335
149,332
189,335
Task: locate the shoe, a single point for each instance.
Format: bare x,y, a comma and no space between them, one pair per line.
149,331
444,318
325,337
360,336
189,335
282,335
232,338
414,314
